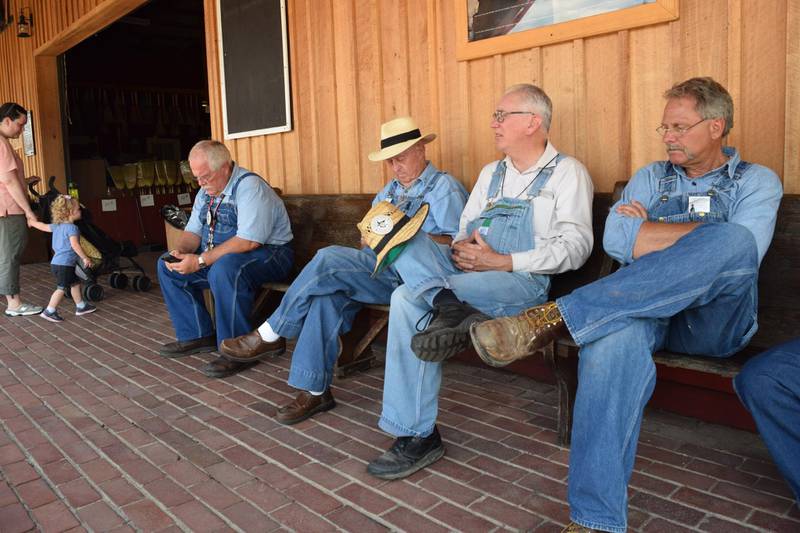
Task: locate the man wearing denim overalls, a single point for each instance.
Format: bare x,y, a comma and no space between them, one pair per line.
322,301
237,239
529,216
691,233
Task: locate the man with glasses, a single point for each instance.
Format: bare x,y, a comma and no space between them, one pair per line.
528,216
322,301
691,233
237,238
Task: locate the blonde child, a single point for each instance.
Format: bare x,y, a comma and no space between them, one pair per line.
67,251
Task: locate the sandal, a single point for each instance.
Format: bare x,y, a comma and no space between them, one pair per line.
24,310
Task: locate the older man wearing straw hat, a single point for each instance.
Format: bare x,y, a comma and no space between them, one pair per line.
529,216
338,281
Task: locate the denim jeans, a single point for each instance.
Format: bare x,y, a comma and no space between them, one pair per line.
327,294
769,386
234,280
411,386
697,296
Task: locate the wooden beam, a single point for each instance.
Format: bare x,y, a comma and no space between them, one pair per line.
90,23
48,119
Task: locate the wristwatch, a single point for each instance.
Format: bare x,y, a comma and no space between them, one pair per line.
200,261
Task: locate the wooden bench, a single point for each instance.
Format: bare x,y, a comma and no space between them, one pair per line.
319,221
779,317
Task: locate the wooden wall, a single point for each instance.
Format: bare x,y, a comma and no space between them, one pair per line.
356,63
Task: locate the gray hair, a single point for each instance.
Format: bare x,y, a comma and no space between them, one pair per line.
216,153
712,100
537,99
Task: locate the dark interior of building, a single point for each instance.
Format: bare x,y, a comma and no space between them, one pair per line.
135,99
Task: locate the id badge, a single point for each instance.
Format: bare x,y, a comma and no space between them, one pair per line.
700,204
484,229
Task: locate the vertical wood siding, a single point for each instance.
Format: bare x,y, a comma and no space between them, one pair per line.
357,63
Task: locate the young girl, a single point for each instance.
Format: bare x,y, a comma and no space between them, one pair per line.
67,252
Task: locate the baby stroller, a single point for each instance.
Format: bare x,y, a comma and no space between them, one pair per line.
108,255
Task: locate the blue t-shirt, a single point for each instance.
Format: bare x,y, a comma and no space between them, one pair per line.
63,254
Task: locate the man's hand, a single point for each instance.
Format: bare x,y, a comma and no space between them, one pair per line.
633,210
474,255
31,218
189,263
87,263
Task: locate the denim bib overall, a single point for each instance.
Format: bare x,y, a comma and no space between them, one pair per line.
233,278
226,217
673,207
406,202
506,224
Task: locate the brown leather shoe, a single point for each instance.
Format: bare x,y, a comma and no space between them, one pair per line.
251,347
183,348
504,340
305,405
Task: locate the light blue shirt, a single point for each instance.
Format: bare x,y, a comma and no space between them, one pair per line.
63,254
755,200
447,199
261,215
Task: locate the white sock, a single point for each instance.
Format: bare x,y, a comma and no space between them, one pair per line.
265,330
312,393
51,309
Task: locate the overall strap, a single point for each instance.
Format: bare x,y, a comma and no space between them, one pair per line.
497,180
667,178
239,181
741,168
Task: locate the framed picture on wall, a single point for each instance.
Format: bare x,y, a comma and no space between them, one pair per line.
489,27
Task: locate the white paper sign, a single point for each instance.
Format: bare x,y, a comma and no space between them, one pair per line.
147,200
109,204
184,198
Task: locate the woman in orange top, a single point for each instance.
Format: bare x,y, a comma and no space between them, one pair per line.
15,210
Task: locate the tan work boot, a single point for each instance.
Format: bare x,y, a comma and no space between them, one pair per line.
504,340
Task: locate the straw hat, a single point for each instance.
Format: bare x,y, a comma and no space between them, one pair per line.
386,229
398,135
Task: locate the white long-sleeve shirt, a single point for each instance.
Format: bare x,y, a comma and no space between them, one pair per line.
562,213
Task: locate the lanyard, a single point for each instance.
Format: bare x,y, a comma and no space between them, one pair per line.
503,182
211,219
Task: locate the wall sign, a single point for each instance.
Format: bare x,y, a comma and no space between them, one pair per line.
28,143
254,67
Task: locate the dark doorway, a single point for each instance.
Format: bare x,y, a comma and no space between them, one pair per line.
135,99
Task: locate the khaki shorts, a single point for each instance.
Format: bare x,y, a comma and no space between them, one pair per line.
13,238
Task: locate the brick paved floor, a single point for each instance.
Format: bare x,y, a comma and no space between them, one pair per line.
97,432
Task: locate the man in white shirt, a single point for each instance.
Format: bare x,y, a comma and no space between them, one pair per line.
529,216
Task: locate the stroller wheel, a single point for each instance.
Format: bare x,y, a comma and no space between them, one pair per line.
141,283
118,280
93,292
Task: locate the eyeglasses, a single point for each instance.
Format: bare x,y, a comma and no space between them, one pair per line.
500,116
678,131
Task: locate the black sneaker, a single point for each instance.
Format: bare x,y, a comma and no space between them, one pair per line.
85,310
448,332
407,455
52,317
